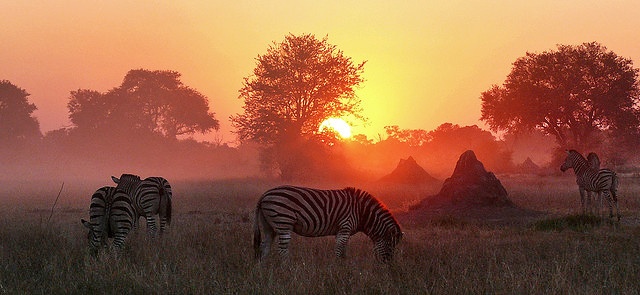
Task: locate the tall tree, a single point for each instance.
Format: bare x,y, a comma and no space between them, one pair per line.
16,120
295,86
571,93
150,101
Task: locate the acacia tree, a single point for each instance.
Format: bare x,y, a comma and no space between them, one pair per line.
16,120
295,86
149,101
572,93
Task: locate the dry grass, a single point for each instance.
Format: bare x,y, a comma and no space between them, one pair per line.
208,249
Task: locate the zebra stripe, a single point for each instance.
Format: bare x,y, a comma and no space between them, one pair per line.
602,181
110,216
150,197
313,213
590,207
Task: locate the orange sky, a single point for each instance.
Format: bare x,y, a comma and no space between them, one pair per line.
428,61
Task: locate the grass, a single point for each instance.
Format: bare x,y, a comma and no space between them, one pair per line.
578,222
208,249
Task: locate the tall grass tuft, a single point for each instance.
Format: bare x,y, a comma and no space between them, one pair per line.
577,222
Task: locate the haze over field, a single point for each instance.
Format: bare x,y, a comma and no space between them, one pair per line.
427,61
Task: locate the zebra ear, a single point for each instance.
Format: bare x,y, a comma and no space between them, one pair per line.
85,223
116,180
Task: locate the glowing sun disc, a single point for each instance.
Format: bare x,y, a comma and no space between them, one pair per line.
338,125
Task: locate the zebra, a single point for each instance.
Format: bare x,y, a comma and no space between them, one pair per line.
602,181
313,213
594,162
150,197
110,216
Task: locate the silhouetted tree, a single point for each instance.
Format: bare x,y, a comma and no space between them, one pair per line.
16,120
295,86
412,137
149,101
571,93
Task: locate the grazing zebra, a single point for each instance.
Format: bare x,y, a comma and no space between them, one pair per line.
150,197
110,216
313,213
602,181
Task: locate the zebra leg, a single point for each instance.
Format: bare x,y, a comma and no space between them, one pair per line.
164,212
151,225
283,243
599,204
582,200
265,245
341,242
610,203
120,236
615,201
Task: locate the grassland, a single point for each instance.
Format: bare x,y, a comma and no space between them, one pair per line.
208,249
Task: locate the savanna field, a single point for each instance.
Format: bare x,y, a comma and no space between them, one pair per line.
208,249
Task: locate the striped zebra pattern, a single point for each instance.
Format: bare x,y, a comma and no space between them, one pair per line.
594,162
602,181
313,213
110,216
151,197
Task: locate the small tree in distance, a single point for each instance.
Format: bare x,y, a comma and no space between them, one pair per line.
153,102
572,93
295,86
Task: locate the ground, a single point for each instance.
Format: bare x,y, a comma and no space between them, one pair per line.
544,246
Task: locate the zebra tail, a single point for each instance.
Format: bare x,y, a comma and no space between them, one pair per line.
256,233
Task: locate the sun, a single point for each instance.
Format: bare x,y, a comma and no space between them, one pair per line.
338,125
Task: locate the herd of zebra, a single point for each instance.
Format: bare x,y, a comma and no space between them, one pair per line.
283,210
114,212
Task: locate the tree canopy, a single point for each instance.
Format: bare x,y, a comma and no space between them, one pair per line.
148,101
295,86
16,120
571,93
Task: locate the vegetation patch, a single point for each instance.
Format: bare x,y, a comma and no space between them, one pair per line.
577,222
449,221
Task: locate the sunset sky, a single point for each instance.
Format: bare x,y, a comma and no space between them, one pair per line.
427,61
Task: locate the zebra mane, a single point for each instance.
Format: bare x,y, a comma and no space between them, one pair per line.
133,176
578,154
361,194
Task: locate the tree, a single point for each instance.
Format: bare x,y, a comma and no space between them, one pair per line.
16,120
571,93
149,101
295,86
412,137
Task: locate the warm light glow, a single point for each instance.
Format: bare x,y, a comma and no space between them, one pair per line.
338,125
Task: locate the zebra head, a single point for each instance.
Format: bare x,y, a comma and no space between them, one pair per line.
126,178
385,246
97,235
572,160
594,160
126,182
